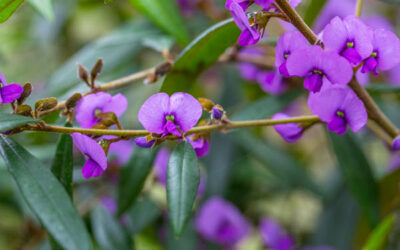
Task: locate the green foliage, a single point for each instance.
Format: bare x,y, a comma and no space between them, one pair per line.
45,196
10,121
379,237
44,7
183,178
313,10
166,15
132,177
7,7
142,213
199,55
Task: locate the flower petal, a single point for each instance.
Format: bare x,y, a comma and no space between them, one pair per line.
335,35
3,79
91,169
354,109
362,35
186,109
326,102
302,61
248,37
290,132
387,45
287,43
117,104
86,107
337,69
10,93
152,113
90,148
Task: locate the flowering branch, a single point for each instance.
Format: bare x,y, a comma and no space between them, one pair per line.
374,113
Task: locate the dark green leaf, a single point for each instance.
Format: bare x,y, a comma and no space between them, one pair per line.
187,240
108,232
392,1
45,196
183,178
166,15
7,7
313,10
142,213
358,175
10,121
63,163
44,7
133,176
382,88
200,55
379,237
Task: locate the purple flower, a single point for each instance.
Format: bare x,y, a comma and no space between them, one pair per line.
249,71
333,8
272,82
290,132
339,106
378,22
394,75
287,43
314,64
9,93
143,143
160,165
109,204
200,145
101,102
349,37
122,150
164,115
385,54
274,236
216,113
396,144
221,222
249,35
96,160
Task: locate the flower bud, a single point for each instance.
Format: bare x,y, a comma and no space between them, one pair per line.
96,70
105,144
45,104
217,112
24,110
207,104
143,143
107,119
83,74
396,144
25,94
73,100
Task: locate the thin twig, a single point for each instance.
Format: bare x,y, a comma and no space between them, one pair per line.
359,8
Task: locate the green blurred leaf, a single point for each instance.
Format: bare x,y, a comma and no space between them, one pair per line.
44,7
115,49
142,213
382,88
63,163
133,176
187,240
183,178
392,1
379,237
313,10
10,121
45,196
166,15
108,232
358,175
199,55
7,7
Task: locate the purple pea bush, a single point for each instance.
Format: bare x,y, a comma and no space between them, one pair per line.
200,124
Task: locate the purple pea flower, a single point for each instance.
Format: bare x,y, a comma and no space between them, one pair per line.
9,93
200,145
272,82
122,150
349,37
385,54
396,144
164,115
160,165
249,71
315,64
143,143
274,236
339,106
287,43
96,160
333,8
290,132
101,102
221,222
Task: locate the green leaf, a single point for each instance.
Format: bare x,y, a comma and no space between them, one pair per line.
10,121
7,7
379,237
166,15
183,178
199,55
187,240
46,196
108,232
133,176
115,49
142,213
382,88
313,10
44,7
358,175
63,163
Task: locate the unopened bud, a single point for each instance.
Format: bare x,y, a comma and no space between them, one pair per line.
396,144
105,144
96,70
25,94
217,112
163,68
207,104
73,100
143,143
45,104
107,119
24,110
83,74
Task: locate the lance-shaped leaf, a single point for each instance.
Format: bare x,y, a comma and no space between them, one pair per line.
379,237
63,162
166,15
199,55
313,10
358,175
183,178
10,121
45,196
7,7
133,176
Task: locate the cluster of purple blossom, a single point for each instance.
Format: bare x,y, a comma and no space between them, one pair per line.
349,45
